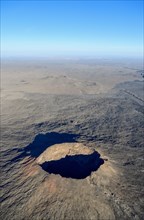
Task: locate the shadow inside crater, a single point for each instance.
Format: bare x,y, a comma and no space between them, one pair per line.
74,166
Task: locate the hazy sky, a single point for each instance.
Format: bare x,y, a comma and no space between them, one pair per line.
91,28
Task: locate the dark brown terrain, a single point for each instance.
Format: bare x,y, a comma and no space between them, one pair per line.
72,140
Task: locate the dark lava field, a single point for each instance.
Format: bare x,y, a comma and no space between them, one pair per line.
72,141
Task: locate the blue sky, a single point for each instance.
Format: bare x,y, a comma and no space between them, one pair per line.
69,28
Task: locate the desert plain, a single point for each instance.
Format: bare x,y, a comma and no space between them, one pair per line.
72,139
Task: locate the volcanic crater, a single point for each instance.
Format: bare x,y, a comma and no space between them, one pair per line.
71,160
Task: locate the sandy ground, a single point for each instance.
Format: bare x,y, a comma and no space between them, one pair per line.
92,103
65,78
